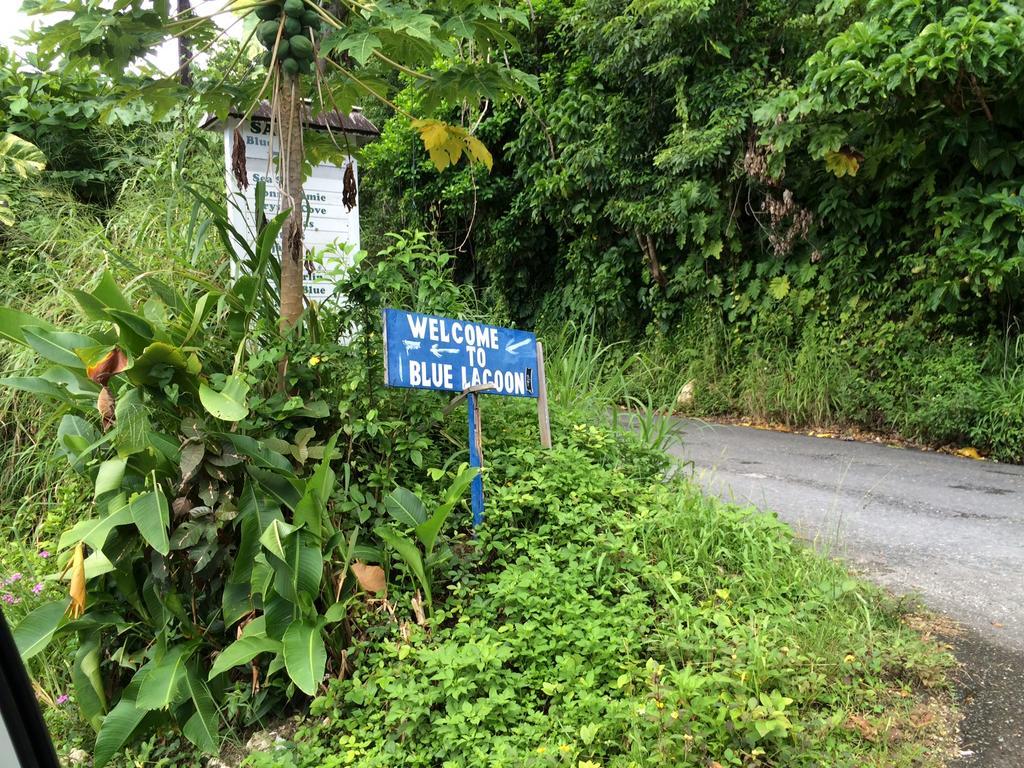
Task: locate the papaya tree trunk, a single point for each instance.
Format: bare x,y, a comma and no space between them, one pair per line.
185,46
288,103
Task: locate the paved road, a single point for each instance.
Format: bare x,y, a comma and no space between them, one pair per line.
946,528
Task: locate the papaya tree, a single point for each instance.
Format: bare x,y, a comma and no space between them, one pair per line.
329,53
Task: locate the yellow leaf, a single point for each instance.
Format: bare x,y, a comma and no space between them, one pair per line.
969,453
446,143
440,159
844,162
434,133
77,590
478,152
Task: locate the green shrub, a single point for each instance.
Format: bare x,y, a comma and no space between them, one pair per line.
217,533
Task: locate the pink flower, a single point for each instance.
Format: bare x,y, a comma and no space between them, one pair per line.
62,699
38,588
44,554
10,599
16,576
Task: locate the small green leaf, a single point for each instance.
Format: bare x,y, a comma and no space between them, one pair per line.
95,532
336,612
779,287
428,530
359,45
405,507
158,356
300,571
117,728
109,476
406,549
85,675
588,732
274,537
37,386
242,651
203,727
161,687
13,324
58,346
151,515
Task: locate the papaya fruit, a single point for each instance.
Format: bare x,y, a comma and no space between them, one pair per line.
290,66
292,26
268,11
311,18
302,49
294,8
266,32
305,66
283,48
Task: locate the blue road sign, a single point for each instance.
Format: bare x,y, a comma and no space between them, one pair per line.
431,352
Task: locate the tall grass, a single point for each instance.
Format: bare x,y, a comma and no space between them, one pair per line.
950,391
583,372
61,243
598,379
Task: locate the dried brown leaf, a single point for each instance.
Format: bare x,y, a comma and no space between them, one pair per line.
417,609
111,364
862,725
370,577
105,405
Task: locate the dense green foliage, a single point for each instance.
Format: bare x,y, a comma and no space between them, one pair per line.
752,184
792,204
664,562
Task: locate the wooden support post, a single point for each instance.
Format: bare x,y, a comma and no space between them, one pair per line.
543,419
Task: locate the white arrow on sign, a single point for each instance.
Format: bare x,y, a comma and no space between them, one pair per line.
513,348
436,350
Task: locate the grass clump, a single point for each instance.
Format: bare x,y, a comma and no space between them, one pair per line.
607,617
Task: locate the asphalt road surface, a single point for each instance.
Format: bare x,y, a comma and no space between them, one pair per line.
948,529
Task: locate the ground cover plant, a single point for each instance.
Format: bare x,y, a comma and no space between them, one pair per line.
604,616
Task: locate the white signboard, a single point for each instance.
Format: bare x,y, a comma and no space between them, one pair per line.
329,227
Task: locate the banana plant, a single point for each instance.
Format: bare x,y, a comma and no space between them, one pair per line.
200,536
421,554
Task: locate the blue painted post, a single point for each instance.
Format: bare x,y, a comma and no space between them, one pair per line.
475,460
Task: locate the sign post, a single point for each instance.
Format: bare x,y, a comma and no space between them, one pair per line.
543,419
476,459
468,358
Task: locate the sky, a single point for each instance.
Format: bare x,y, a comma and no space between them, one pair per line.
14,22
